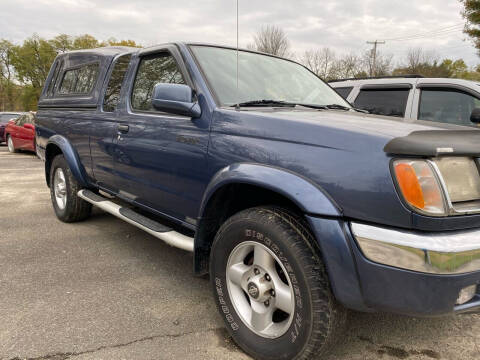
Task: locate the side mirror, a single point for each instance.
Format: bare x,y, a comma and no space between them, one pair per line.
175,99
475,116
29,126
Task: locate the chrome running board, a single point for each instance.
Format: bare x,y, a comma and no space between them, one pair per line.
152,227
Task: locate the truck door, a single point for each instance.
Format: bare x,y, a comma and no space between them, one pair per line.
17,132
104,128
160,158
28,132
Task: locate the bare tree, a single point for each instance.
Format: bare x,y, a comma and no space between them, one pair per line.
271,40
321,62
347,66
414,57
378,65
428,64
417,58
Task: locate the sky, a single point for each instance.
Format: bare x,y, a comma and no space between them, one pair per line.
342,25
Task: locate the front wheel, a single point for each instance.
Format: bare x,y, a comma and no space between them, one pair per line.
63,191
271,287
11,147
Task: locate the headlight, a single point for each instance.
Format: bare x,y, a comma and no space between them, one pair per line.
441,186
461,178
420,186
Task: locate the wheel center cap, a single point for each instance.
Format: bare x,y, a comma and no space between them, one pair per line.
258,288
253,290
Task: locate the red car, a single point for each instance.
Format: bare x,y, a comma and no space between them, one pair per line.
5,117
20,133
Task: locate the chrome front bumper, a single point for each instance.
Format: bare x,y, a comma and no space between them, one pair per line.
455,252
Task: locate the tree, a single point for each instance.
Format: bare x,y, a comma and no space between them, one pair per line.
348,66
434,69
420,62
86,42
417,60
7,74
458,69
471,13
62,43
114,42
321,62
32,61
271,40
377,64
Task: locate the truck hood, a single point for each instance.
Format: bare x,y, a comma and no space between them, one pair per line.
351,131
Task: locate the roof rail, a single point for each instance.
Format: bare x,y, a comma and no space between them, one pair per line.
409,76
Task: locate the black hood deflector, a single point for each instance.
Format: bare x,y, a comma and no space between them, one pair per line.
437,143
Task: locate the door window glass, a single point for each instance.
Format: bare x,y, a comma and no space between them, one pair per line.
5,118
20,121
447,106
112,94
389,102
53,80
344,91
30,119
153,69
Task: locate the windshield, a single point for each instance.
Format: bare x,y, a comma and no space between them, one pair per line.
5,118
261,77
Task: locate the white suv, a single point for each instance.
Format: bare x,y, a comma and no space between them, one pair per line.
434,99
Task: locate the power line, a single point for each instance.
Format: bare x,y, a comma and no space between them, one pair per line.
442,29
449,48
432,36
437,31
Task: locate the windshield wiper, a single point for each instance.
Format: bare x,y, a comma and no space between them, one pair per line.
341,107
334,107
267,103
259,103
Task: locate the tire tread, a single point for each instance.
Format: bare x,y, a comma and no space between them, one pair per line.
77,209
329,317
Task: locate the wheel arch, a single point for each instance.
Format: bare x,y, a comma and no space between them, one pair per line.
57,145
244,185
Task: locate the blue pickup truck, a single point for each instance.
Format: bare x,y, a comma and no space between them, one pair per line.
298,206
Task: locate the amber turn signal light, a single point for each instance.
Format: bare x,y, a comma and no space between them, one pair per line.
409,185
419,186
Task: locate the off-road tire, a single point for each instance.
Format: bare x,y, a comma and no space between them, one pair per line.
76,209
318,318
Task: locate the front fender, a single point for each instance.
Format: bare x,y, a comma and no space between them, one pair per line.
308,196
71,156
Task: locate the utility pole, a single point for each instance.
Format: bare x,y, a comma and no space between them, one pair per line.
373,70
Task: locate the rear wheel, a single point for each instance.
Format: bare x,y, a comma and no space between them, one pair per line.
63,192
271,287
11,147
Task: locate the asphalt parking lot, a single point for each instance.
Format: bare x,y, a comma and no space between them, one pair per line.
102,289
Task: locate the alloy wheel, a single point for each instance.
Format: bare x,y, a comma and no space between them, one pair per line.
60,188
260,289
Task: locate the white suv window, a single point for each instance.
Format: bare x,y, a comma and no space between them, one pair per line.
447,106
389,102
344,91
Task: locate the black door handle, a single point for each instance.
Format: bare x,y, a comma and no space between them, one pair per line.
123,128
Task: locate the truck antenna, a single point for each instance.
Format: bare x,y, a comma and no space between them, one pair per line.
237,107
